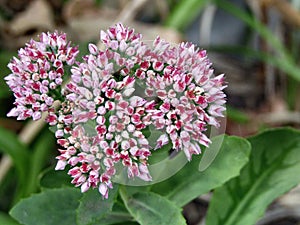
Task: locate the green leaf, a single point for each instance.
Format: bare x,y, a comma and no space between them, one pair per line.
236,115
5,219
11,145
149,208
51,207
93,208
273,169
119,215
55,179
190,183
41,149
184,13
5,57
152,134
125,223
19,153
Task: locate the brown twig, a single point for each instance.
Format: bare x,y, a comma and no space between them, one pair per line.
163,8
288,12
283,117
130,10
206,24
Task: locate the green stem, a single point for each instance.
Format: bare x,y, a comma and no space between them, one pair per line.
125,216
123,194
125,197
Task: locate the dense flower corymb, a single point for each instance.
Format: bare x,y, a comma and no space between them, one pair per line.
37,74
119,93
189,96
107,118
115,98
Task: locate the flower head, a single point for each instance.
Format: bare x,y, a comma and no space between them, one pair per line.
116,97
37,74
188,95
118,94
101,121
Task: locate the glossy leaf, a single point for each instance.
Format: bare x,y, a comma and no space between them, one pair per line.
273,169
51,207
148,208
190,183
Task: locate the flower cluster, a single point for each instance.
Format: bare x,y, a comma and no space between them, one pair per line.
37,74
189,97
116,95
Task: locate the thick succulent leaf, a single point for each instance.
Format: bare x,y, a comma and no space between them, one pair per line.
93,208
148,208
51,207
273,169
119,215
51,178
190,183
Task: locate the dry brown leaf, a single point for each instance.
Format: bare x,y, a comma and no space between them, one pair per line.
86,20
87,29
37,16
278,104
291,199
85,9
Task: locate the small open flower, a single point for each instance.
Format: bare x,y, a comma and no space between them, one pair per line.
37,74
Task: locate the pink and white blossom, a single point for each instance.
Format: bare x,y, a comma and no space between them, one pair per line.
116,97
38,73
